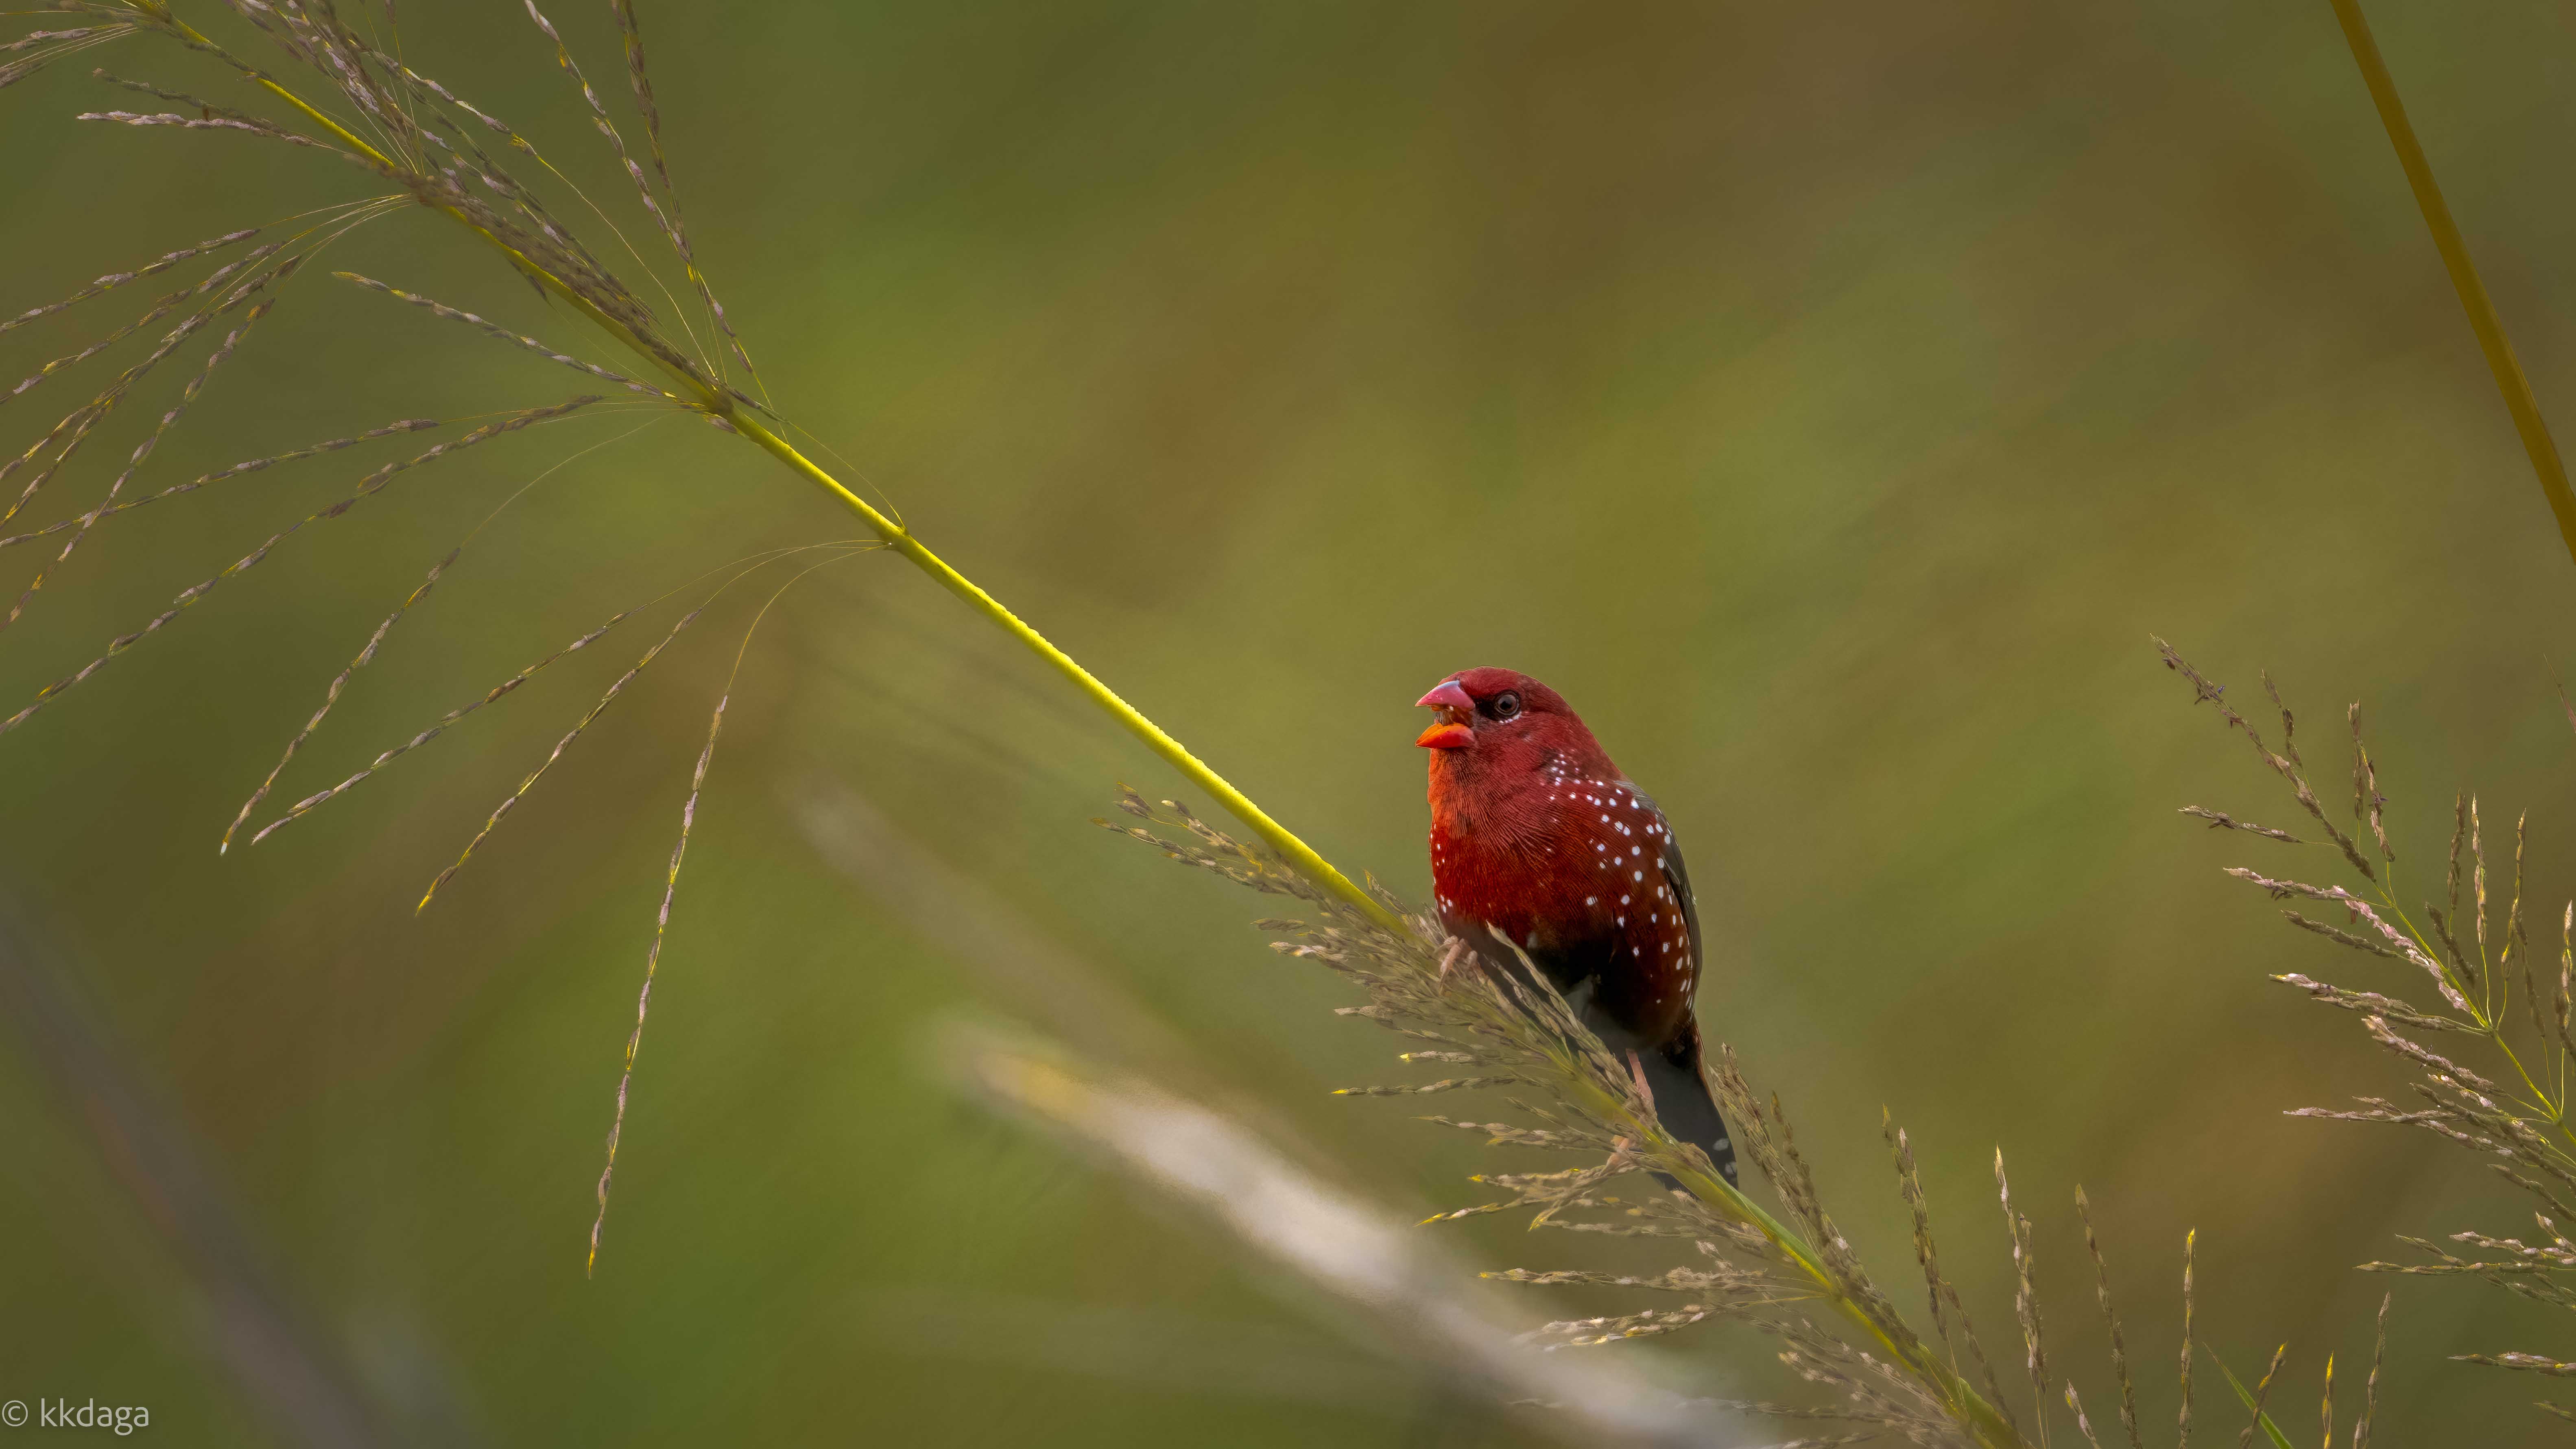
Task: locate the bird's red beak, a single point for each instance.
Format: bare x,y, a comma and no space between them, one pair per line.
1450,732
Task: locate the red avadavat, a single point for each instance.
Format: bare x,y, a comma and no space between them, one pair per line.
1537,837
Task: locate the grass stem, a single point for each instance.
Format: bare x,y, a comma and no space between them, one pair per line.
1272,833
2464,274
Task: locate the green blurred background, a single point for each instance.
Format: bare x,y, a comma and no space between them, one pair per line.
1828,400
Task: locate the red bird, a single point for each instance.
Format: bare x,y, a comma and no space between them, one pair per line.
1536,837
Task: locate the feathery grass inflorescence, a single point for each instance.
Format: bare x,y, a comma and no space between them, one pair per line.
331,695
374,483
254,465
495,694
832,553
143,450
679,853
324,86
423,138
2512,1109
515,339
40,48
652,964
1795,1278
65,437
114,280
588,717
212,297
1940,1294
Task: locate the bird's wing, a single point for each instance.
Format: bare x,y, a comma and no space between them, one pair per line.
1677,879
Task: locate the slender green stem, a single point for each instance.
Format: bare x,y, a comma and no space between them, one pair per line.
2490,1023
717,403
2464,275
1276,836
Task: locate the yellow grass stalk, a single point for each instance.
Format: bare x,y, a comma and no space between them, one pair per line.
721,406
2464,274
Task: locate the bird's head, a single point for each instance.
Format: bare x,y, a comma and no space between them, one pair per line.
1501,719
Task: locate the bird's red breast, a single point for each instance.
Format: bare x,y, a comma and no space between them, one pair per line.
1538,837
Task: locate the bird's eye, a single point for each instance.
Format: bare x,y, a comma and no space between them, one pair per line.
1504,705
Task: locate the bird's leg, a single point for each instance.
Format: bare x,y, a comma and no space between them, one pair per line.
1450,958
1637,1074
1623,1149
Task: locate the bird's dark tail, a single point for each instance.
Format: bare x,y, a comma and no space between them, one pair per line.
1684,1103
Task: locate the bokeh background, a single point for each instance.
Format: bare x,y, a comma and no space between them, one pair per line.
1829,400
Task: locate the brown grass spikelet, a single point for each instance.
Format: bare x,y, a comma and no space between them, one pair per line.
254,465
679,848
81,420
2119,1346
40,48
2182,1437
2286,766
143,450
2025,1294
2565,988
515,339
2221,820
2370,1388
216,123
1942,1294
113,280
2367,802
2262,1394
561,745
652,963
641,83
374,483
331,694
1909,1187
317,800
2083,1424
